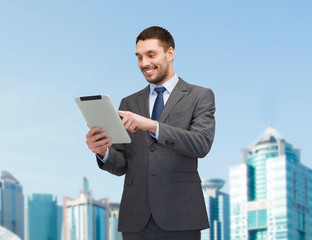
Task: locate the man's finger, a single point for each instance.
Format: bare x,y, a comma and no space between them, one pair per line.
93,131
103,138
121,113
128,124
97,135
101,148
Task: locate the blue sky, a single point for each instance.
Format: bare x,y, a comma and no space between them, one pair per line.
255,55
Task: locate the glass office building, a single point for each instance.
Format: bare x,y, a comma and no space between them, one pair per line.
271,192
218,205
5,234
113,222
85,218
11,204
59,222
43,218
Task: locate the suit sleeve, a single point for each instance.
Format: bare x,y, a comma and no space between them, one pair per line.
196,141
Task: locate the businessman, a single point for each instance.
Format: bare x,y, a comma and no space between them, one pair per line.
171,124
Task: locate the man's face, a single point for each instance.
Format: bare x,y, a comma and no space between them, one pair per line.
154,62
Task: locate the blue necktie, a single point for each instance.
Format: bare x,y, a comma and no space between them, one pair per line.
159,103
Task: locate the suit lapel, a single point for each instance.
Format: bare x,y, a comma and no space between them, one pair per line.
143,102
178,92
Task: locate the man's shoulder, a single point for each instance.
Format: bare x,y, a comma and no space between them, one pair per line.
182,84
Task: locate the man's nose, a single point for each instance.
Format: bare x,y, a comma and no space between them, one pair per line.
145,62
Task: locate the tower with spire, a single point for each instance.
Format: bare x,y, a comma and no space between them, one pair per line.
85,218
270,192
218,205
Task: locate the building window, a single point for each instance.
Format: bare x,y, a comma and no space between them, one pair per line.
257,219
262,218
300,221
252,219
306,190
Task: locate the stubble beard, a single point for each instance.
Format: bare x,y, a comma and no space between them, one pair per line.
159,79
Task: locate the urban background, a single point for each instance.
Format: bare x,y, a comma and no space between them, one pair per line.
255,56
270,198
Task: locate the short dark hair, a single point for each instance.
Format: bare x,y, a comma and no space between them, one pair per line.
159,33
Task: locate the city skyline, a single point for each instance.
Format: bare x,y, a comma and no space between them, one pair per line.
256,57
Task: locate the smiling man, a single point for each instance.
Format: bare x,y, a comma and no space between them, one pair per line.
171,124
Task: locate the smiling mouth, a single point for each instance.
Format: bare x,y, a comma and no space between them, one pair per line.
149,71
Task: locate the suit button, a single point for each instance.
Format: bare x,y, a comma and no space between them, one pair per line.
152,148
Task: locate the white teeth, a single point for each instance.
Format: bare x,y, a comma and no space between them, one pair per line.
148,71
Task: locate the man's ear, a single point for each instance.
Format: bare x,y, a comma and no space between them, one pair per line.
170,53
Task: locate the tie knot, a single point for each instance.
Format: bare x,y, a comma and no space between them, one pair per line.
160,89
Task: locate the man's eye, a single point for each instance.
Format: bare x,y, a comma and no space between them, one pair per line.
140,58
151,55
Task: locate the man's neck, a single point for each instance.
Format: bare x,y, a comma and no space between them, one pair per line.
170,76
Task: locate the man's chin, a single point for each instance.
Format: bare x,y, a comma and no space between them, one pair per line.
150,79
153,80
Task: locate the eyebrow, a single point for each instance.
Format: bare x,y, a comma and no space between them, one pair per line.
148,52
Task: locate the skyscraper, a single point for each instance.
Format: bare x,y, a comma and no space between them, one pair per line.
218,205
43,219
59,222
85,218
113,222
7,235
11,204
271,192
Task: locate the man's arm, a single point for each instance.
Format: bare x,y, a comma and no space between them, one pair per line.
195,141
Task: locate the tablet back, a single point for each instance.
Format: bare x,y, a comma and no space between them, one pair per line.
99,111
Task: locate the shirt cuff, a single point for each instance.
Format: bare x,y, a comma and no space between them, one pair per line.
105,158
156,136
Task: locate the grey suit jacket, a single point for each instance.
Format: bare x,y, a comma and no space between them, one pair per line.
161,177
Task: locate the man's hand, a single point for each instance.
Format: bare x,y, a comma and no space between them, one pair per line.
134,122
95,144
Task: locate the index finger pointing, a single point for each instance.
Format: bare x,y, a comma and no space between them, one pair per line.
121,113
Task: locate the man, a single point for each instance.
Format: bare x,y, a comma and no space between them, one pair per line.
171,124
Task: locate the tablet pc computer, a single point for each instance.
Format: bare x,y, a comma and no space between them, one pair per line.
99,111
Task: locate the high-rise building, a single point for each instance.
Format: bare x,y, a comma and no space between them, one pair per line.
271,192
43,217
113,222
85,218
7,235
59,222
11,204
218,205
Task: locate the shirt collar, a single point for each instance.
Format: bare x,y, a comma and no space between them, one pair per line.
169,85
